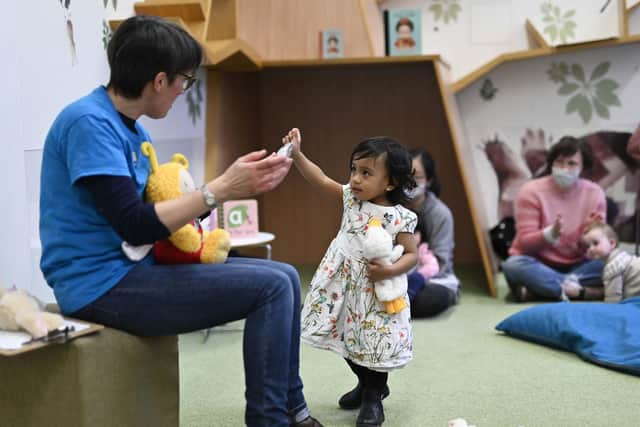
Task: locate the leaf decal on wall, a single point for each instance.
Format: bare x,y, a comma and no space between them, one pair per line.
106,34
596,94
194,100
488,90
558,25
446,9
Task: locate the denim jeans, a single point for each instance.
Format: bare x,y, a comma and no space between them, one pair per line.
172,299
544,280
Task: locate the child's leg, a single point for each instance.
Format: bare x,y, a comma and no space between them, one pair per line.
353,398
371,412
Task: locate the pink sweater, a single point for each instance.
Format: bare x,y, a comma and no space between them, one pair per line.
537,205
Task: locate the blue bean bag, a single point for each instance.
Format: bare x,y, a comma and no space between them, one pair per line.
601,333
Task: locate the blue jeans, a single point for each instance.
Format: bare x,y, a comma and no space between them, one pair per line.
172,299
544,280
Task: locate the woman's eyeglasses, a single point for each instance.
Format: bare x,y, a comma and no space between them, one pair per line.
188,81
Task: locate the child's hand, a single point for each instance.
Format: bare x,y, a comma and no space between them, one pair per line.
378,271
594,217
294,138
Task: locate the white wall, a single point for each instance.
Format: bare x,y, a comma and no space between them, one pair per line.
40,79
484,29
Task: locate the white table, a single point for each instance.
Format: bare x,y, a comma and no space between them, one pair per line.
263,239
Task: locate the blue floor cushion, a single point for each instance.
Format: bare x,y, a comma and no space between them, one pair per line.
601,333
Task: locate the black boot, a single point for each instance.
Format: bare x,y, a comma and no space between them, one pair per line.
353,398
371,413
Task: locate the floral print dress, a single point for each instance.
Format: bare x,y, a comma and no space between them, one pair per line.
341,312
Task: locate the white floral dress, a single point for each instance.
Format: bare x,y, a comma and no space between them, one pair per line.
341,312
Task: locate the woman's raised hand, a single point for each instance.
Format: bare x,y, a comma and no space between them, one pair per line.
251,174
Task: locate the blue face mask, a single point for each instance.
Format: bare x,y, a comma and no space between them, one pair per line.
565,178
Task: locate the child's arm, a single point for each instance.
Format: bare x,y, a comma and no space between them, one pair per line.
613,288
309,170
406,262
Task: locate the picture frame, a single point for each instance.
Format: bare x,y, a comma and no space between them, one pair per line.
403,32
331,44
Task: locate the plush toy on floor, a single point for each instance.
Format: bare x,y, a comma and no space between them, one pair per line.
459,422
378,245
190,243
19,311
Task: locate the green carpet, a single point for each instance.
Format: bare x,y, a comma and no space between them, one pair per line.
462,368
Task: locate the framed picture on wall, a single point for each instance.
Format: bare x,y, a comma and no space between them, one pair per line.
403,32
331,45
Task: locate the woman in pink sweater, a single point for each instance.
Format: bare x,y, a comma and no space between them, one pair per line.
546,257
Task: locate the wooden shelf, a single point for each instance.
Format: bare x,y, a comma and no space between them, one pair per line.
536,53
337,103
351,61
231,55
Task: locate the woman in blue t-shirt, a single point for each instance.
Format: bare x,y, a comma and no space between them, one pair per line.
93,178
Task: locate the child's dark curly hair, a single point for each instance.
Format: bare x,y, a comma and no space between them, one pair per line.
397,161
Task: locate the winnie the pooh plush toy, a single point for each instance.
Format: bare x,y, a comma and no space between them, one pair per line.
19,311
378,245
190,243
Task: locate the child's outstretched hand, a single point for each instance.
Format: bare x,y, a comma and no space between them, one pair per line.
294,138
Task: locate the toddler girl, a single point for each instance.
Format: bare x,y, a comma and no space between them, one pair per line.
341,312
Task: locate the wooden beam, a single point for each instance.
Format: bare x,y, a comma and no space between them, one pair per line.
470,189
222,20
232,55
535,36
188,10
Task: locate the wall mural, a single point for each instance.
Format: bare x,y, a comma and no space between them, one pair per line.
447,10
597,93
558,25
611,163
66,4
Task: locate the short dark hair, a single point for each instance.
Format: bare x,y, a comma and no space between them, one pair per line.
142,46
429,166
568,146
397,162
404,21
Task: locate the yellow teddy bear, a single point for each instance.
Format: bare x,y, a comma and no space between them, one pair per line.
190,243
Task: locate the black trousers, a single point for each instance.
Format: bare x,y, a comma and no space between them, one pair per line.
432,300
368,377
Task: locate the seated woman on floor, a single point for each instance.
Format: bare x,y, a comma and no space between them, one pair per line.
546,258
432,289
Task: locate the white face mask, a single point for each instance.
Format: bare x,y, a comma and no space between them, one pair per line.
565,178
417,191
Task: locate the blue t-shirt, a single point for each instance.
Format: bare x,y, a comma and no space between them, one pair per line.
81,253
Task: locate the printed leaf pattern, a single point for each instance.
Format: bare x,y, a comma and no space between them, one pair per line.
488,90
194,100
559,26
106,33
447,10
114,2
597,93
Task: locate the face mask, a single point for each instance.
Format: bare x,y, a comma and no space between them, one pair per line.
417,191
565,178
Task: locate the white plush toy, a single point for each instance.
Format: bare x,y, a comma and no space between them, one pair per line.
378,245
459,422
19,311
